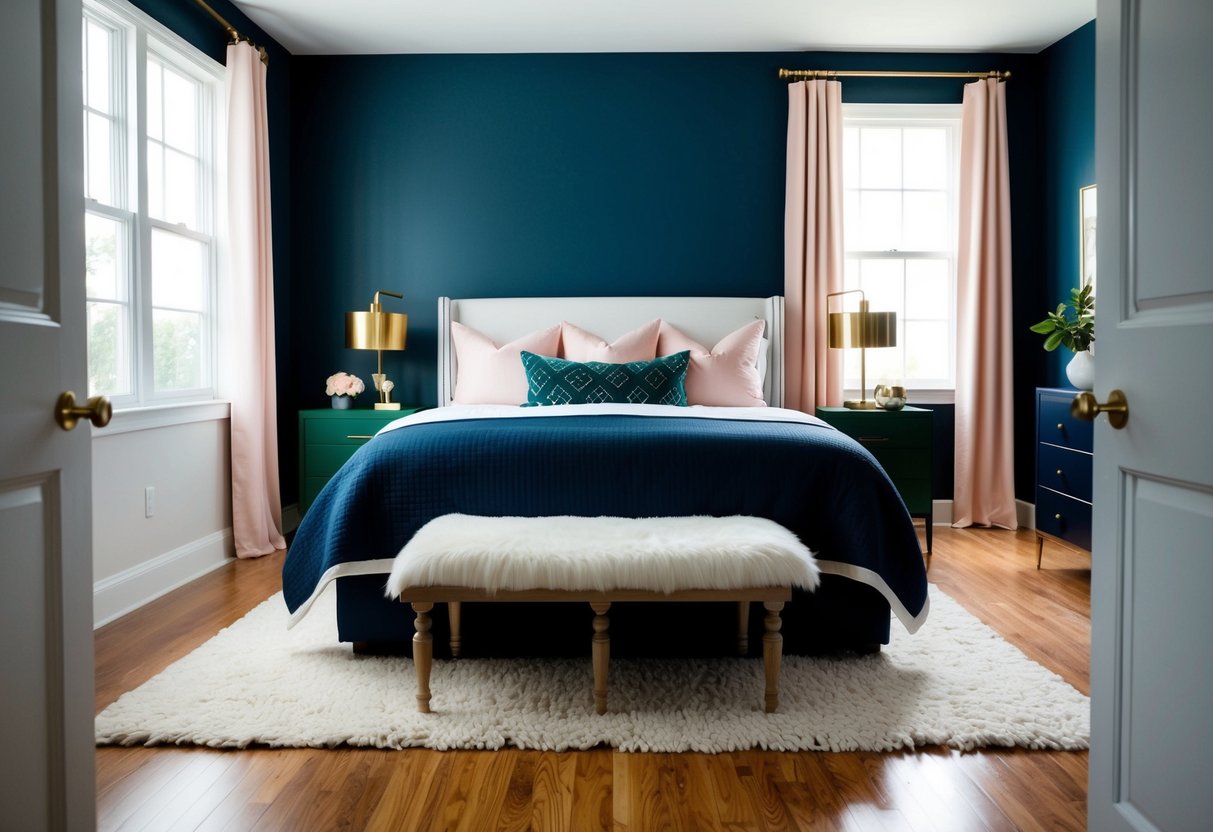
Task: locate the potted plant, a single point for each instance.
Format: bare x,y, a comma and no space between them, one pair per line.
1076,333
343,388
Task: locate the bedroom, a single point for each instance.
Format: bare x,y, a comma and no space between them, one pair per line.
384,167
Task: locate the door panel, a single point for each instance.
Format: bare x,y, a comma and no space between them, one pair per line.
47,774
1152,561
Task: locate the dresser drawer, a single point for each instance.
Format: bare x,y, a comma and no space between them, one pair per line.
1064,470
1055,425
917,494
1063,517
902,463
342,431
326,460
877,429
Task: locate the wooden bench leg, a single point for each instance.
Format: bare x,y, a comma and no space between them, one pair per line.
454,609
772,652
602,655
743,628
423,653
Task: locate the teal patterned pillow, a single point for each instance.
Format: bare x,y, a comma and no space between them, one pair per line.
557,381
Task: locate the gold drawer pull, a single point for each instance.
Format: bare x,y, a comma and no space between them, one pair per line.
357,436
1060,473
872,440
1056,516
1061,426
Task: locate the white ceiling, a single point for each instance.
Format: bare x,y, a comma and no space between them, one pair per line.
359,27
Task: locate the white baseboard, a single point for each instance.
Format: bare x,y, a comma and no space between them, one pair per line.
130,589
1025,513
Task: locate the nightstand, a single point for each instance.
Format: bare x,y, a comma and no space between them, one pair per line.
901,442
1063,472
327,438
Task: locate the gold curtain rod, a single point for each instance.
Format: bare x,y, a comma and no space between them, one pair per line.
828,74
231,31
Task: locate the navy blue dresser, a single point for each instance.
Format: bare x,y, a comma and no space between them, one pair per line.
1063,472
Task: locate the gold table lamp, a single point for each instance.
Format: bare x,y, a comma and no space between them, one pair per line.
862,329
378,330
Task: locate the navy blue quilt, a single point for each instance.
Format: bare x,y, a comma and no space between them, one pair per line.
815,481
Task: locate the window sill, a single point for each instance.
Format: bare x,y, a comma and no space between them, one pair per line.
134,419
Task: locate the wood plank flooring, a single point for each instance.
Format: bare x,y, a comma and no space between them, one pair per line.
993,574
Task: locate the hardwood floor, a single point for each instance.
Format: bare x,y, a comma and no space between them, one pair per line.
993,574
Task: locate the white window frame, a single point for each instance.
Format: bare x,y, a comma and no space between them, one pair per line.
138,37
937,390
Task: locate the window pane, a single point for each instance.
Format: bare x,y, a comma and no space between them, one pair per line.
926,157
155,180
927,346
883,284
850,157
178,271
879,220
884,366
180,189
928,289
850,273
879,158
100,175
104,258
155,101
850,220
926,221
177,349
180,111
108,350
97,67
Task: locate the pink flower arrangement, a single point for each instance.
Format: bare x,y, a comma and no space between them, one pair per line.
343,384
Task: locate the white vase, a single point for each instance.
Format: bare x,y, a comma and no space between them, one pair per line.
1081,370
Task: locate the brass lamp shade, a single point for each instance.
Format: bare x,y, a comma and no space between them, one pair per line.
862,329
376,330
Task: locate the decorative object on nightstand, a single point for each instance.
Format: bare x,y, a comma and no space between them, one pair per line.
889,397
1063,472
862,329
378,330
343,388
327,438
901,442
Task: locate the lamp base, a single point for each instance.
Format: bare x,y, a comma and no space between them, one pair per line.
854,404
388,406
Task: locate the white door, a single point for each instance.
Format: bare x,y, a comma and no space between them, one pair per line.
1152,573
46,686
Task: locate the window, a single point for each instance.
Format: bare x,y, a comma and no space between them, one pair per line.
900,171
152,106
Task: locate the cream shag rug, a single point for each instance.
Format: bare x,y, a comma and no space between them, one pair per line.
956,682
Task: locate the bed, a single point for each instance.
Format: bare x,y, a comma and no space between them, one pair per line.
629,460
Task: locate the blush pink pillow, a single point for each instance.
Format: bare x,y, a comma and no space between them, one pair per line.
726,375
489,374
638,345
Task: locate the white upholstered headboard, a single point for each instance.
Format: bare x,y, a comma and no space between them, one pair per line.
707,320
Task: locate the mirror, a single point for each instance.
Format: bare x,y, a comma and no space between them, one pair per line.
1086,251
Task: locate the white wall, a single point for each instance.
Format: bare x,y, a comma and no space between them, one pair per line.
138,558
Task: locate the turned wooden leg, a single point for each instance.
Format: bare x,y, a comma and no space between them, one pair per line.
772,652
602,655
743,627
454,609
423,653
1040,549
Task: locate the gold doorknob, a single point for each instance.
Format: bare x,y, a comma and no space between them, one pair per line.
1086,407
98,411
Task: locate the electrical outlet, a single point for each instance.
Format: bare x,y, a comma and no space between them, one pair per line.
149,501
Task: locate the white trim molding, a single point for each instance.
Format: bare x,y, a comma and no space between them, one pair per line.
1025,514
130,589
164,416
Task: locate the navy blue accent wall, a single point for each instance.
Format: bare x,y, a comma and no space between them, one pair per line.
189,21
1069,124
500,175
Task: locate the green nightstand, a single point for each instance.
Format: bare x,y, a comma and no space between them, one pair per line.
327,438
901,442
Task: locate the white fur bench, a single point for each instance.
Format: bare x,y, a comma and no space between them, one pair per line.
600,560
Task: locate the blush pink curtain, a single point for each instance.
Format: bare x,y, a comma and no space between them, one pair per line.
248,379
813,253
985,470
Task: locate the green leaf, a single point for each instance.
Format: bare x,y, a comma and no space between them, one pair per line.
1053,340
1044,327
